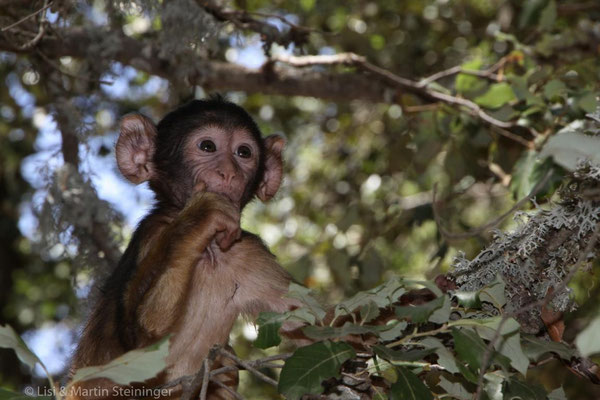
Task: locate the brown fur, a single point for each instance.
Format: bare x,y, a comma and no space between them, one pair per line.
188,271
194,296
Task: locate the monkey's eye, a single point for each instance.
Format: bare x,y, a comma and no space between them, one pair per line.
208,146
244,151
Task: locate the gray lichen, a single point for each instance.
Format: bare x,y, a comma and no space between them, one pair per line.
539,253
74,219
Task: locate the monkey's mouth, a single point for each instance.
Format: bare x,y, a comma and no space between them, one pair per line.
227,196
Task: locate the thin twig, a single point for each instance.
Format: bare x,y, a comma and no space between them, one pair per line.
477,231
248,367
508,134
33,14
460,70
229,390
201,378
487,356
205,378
41,29
417,88
72,75
421,108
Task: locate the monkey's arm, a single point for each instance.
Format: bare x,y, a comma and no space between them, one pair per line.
160,283
263,282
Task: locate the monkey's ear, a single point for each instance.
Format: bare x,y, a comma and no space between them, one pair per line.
273,167
135,148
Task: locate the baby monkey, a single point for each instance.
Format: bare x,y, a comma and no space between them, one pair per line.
189,270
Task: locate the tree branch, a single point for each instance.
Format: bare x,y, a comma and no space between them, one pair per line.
417,88
33,14
268,32
271,78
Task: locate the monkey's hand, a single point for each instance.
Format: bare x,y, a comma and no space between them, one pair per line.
221,217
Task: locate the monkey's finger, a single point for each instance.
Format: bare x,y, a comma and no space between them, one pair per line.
229,238
220,238
199,187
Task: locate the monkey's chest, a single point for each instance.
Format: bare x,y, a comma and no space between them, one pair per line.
210,310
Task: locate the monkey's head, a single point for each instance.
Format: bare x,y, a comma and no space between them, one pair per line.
211,145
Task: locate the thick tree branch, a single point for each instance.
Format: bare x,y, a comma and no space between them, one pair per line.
370,82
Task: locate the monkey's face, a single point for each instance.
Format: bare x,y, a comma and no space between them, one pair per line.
222,160
205,145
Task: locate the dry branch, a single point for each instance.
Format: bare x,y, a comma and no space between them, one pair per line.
271,78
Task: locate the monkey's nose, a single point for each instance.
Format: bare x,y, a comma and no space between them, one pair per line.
227,176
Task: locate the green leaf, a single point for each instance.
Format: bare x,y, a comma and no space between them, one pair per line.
493,292
377,42
383,296
401,355
557,394
445,357
568,147
134,366
530,11
305,296
471,348
487,327
469,83
11,340
307,5
504,113
519,86
466,372
528,171
301,314
548,17
554,88
269,324
392,330
456,389
304,371
497,95
420,313
442,314
545,45
510,346
369,311
409,387
524,390
588,102
330,332
535,348
587,341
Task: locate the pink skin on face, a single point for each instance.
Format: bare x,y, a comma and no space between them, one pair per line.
222,161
